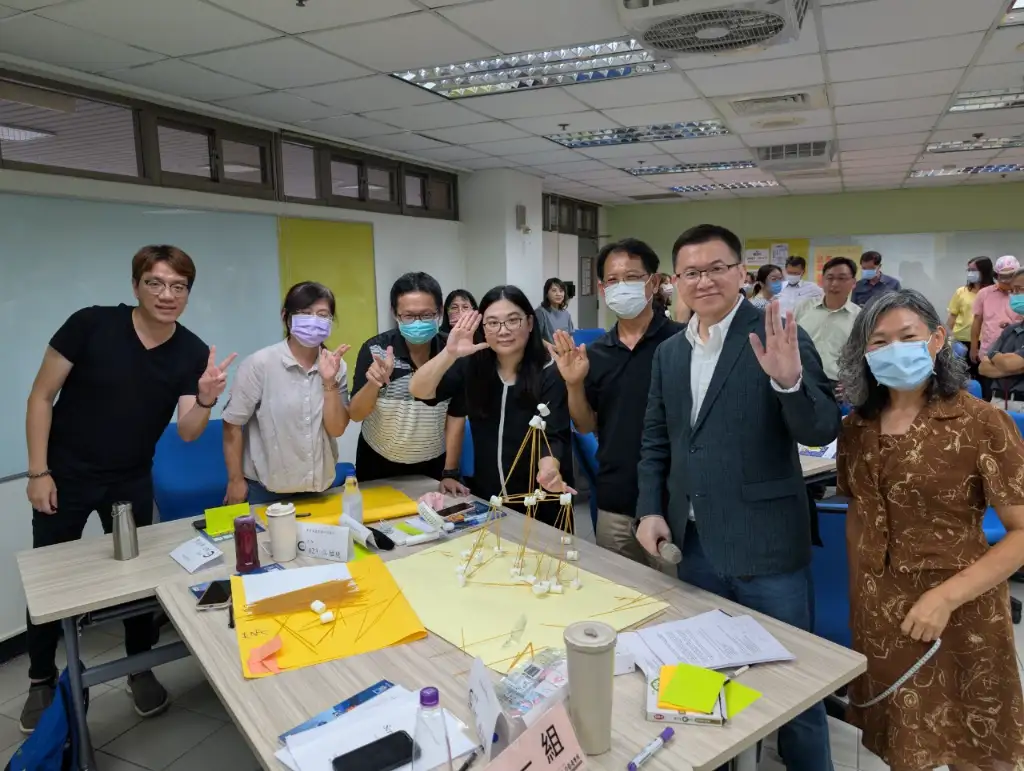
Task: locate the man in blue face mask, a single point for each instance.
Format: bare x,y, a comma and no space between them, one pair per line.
873,284
1004,361
401,436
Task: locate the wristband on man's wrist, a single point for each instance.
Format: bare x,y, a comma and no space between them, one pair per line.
39,475
199,401
451,473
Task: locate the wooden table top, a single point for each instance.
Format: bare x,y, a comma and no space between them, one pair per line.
265,708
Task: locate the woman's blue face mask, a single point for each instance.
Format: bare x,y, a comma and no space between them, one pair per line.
902,366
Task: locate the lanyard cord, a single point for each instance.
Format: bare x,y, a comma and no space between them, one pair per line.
907,675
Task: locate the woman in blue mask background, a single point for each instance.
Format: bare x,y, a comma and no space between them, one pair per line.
921,460
288,406
767,286
401,436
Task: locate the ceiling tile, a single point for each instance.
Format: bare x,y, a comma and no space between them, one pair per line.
903,59
1003,46
989,121
380,92
933,181
282,63
402,42
861,24
176,28
488,163
29,5
349,127
443,3
753,77
454,155
513,26
995,76
596,177
640,156
942,160
1013,155
623,151
577,166
679,147
668,112
884,127
288,17
626,92
873,162
892,169
5,12
526,104
909,153
874,143
801,120
428,116
788,136
47,41
552,124
477,132
906,108
543,158
278,106
406,142
174,76
939,83
507,147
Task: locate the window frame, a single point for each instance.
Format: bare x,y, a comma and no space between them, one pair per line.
429,175
328,153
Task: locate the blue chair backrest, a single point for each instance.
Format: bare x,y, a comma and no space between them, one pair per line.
585,446
831,575
974,388
1018,418
586,336
189,477
467,464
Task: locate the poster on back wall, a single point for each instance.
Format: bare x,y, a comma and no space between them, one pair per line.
755,258
822,254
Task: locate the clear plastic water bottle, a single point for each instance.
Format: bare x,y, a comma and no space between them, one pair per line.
431,734
352,500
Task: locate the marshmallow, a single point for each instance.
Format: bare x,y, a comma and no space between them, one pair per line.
514,572
557,588
462,580
496,501
567,540
575,584
543,410
449,527
479,558
460,569
572,555
530,579
530,500
541,494
466,553
565,499
540,588
317,607
326,618
536,421
499,552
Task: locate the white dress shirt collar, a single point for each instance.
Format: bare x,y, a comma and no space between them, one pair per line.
716,332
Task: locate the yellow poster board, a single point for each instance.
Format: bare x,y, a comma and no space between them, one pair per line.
338,255
822,254
794,247
498,617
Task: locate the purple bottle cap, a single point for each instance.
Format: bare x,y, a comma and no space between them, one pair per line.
429,697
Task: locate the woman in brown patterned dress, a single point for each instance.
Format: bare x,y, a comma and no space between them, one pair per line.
920,460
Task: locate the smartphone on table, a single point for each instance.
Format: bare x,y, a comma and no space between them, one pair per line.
217,595
385,754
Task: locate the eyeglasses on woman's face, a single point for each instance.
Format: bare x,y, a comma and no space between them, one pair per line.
512,324
460,307
321,313
156,287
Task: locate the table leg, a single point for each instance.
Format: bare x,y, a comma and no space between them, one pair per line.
745,761
86,758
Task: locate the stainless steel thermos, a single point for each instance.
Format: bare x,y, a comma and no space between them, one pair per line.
126,536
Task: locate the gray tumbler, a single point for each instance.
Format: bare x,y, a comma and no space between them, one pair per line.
590,654
126,537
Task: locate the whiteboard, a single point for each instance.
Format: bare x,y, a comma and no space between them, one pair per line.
935,264
58,255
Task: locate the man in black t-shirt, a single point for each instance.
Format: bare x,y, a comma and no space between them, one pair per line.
120,373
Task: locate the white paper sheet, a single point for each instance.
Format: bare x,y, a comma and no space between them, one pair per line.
380,719
261,586
714,640
360,533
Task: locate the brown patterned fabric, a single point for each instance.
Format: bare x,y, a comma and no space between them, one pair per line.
917,504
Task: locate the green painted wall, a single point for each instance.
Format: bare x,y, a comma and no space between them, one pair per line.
983,207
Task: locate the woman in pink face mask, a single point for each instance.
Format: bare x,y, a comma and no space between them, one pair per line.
288,406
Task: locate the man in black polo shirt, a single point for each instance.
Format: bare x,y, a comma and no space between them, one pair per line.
608,383
120,373
401,436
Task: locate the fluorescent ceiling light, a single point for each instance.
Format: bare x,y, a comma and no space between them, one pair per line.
1004,168
685,168
997,99
22,134
994,143
632,134
726,186
620,58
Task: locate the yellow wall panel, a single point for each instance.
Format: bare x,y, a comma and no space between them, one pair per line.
339,255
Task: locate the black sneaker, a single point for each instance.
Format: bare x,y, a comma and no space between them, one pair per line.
40,696
149,696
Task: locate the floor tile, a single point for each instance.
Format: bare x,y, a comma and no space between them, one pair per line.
105,762
226,749
14,678
204,700
158,742
9,732
110,715
7,754
181,676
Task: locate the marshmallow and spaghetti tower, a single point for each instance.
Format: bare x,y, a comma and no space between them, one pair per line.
544,570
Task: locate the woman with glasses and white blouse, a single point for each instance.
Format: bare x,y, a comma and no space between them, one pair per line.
288,406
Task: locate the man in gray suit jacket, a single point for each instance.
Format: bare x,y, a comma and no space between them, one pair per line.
719,471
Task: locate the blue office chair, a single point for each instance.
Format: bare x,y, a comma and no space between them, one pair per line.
831,575
467,463
189,477
585,449
974,388
586,336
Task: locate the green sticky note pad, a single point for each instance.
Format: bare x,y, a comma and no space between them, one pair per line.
222,519
738,697
408,529
694,689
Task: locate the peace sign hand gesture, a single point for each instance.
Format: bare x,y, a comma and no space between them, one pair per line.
460,339
214,379
779,357
379,372
571,360
330,362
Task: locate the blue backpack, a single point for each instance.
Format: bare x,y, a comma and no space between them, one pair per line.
53,746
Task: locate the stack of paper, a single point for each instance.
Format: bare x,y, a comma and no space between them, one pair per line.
391,711
714,640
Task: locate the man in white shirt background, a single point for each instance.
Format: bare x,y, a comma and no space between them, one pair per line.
829,319
796,290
